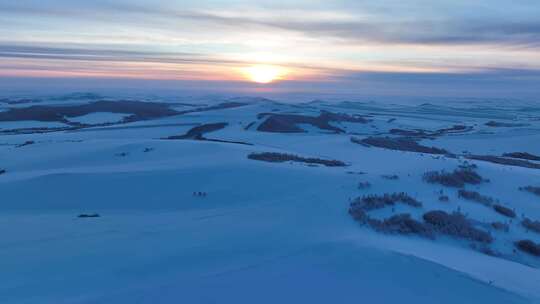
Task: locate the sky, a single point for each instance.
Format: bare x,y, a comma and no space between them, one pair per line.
475,48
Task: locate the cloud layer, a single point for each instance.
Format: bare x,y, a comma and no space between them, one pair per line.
316,40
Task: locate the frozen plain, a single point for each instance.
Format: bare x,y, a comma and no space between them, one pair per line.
265,232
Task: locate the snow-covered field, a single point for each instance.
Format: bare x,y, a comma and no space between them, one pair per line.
262,232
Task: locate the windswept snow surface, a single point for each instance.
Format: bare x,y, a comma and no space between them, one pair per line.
263,232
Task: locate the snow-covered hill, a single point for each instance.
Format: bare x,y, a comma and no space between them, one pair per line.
185,216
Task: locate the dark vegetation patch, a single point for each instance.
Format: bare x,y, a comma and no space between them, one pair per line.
356,172
457,178
468,166
364,185
505,161
531,224
10,101
288,123
399,144
531,189
522,155
411,133
84,215
444,198
2,171
485,250
198,131
529,247
373,202
249,125
454,129
38,130
454,224
275,157
504,211
500,226
26,143
421,133
401,224
498,124
138,110
476,197
457,225
221,106
390,176
359,141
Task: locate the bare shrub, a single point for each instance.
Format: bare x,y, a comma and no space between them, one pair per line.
476,197
529,247
456,224
282,157
504,211
457,178
531,225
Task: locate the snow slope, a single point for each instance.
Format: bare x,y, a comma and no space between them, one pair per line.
265,232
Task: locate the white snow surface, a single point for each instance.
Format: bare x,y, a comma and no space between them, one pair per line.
265,232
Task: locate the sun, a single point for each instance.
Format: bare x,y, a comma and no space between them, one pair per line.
264,73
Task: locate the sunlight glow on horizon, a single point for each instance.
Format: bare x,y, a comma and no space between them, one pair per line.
264,73
294,44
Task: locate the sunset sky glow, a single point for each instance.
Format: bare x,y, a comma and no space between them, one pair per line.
484,41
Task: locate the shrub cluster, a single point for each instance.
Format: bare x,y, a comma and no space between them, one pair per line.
457,178
84,215
531,225
522,155
282,157
529,247
444,198
456,224
504,211
401,224
531,189
500,226
364,185
476,197
372,202
505,161
400,144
